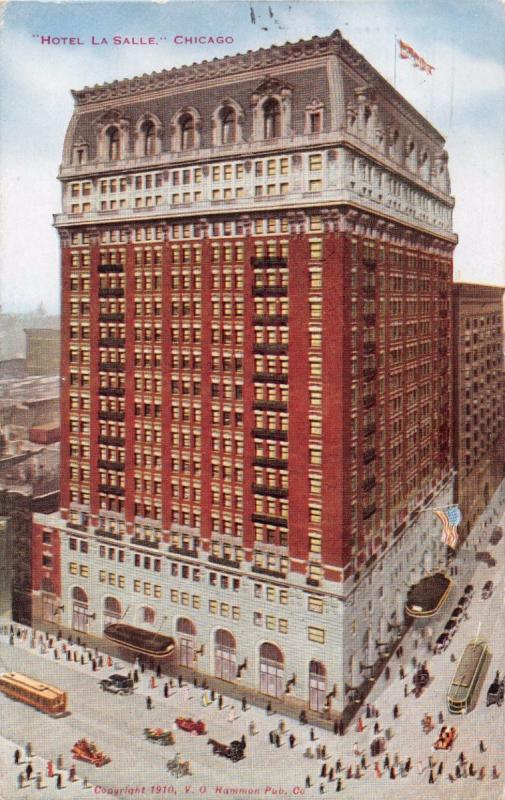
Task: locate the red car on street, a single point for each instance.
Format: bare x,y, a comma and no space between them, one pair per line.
188,724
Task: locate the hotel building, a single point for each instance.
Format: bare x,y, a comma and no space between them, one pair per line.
256,259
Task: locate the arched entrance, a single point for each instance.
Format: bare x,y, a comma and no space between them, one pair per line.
111,611
49,604
187,632
317,686
80,615
226,655
271,670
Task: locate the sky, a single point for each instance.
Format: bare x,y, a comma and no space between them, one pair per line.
464,100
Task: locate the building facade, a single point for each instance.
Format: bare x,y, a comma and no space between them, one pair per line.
479,422
256,365
42,351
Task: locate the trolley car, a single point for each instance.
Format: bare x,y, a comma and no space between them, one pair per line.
45,698
466,681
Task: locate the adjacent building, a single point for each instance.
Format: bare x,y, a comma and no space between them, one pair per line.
479,421
256,366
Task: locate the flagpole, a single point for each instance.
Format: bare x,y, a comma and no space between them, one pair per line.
394,78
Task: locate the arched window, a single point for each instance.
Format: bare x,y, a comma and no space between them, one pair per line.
79,595
112,135
271,670
187,131
186,627
271,119
228,125
226,655
148,615
148,130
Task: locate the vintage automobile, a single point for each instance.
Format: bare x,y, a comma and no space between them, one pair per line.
446,738
442,642
159,735
496,535
188,724
483,555
464,601
88,751
234,751
178,768
487,590
496,692
117,684
468,590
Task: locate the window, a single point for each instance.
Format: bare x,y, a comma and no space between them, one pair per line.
316,635
102,576
228,125
212,606
136,586
283,625
271,119
315,604
149,141
112,136
84,570
187,131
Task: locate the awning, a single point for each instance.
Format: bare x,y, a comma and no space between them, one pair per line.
149,643
427,597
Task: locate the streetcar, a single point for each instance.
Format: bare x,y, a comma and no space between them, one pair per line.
45,698
466,682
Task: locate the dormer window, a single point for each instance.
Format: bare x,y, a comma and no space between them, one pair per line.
228,125
315,122
112,135
271,119
148,130
187,132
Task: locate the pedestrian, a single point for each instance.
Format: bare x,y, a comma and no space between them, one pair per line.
461,758
271,737
338,765
457,771
17,756
496,774
252,728
440,768
318,751
165,690
244,704
158,670
368,711
85,784
482,774
220,702
185,693
431,779
440,718
302,719
212,693
363,761
386,762
142,667
58,780
471,769
28,750
482,746
341,727
355,749
231,714
307,781
387,673
357,772
312,735
324,767
408,764
396,711
338,787
59,762
135,676
269,708
179,680
94,665
282,726
242,741
291,741
323,751
392,773
335,726
71,773
359,726
277,740
29,770
376,728
21,780
420,767
149,702
402,674
50,769
331,774
377,770
100,662
321,788
39,781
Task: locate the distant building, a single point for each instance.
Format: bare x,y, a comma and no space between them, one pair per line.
42,351
479,423
5,568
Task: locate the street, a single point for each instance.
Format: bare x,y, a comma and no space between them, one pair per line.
116,724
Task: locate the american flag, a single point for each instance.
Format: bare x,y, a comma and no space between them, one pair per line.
406,51
450,519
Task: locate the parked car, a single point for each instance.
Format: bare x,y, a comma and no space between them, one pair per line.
450,627
464,601
496,692
117,684
496,535
468,590
457,614
487,590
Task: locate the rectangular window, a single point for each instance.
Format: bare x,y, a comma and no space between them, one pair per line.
136,586
174,595
84,570
212,606
283,625
102,575
315,604
270,622
316,635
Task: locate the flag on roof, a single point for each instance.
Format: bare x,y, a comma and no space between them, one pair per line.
450,519
408,52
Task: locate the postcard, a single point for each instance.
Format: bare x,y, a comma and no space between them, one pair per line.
252,426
